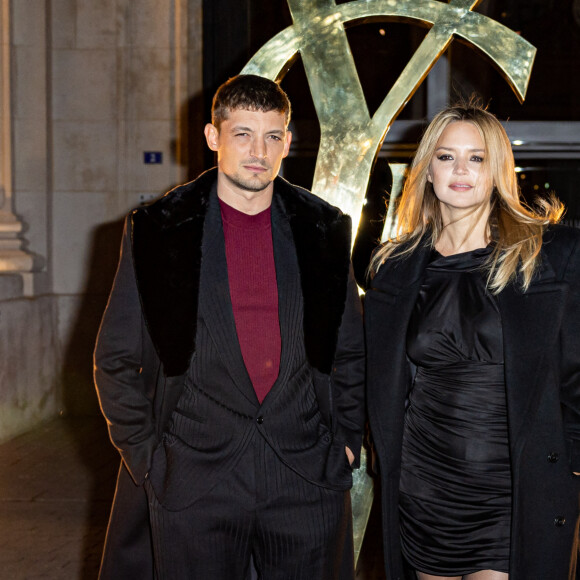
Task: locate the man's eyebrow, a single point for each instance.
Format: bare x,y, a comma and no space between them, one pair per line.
250,130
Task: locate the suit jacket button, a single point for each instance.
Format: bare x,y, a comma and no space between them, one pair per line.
559,521
260,420
553,457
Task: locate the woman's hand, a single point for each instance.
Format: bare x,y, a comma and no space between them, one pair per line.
349,454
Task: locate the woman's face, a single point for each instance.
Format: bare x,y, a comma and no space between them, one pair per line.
461,179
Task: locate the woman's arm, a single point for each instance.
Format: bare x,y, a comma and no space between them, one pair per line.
570,357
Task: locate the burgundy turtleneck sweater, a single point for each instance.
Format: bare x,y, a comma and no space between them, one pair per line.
254,293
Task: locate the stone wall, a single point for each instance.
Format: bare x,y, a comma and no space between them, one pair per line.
95,85
30,389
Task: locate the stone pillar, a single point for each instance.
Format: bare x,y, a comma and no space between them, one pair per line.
12,257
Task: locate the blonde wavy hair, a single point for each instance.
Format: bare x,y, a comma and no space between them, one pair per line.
515,228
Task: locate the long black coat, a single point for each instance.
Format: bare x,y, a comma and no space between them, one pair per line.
541,337
171,295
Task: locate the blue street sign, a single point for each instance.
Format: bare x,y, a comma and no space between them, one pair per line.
152,157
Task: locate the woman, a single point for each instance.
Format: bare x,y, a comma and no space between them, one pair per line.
473,337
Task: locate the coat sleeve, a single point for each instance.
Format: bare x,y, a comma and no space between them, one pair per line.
570,353
125,391
348,373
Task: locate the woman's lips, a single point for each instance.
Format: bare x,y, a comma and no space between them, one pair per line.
460,186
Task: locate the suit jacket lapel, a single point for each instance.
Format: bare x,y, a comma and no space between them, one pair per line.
321,239
388,307
215,304
290,303
398,274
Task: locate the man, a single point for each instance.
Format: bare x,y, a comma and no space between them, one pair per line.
230,367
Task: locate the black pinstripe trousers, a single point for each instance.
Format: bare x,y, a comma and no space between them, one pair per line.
292,529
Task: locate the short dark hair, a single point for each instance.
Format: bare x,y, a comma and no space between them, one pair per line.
250,92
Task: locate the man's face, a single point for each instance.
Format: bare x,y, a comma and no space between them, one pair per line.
250,146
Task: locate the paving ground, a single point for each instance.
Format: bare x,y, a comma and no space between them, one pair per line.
56,486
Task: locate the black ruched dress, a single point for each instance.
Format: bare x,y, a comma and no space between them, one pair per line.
455,487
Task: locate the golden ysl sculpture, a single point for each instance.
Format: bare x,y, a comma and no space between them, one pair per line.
350,137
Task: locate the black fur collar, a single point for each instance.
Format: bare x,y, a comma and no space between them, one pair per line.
322,240
167,239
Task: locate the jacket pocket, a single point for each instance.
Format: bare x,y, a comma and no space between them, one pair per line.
190,415
323,388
